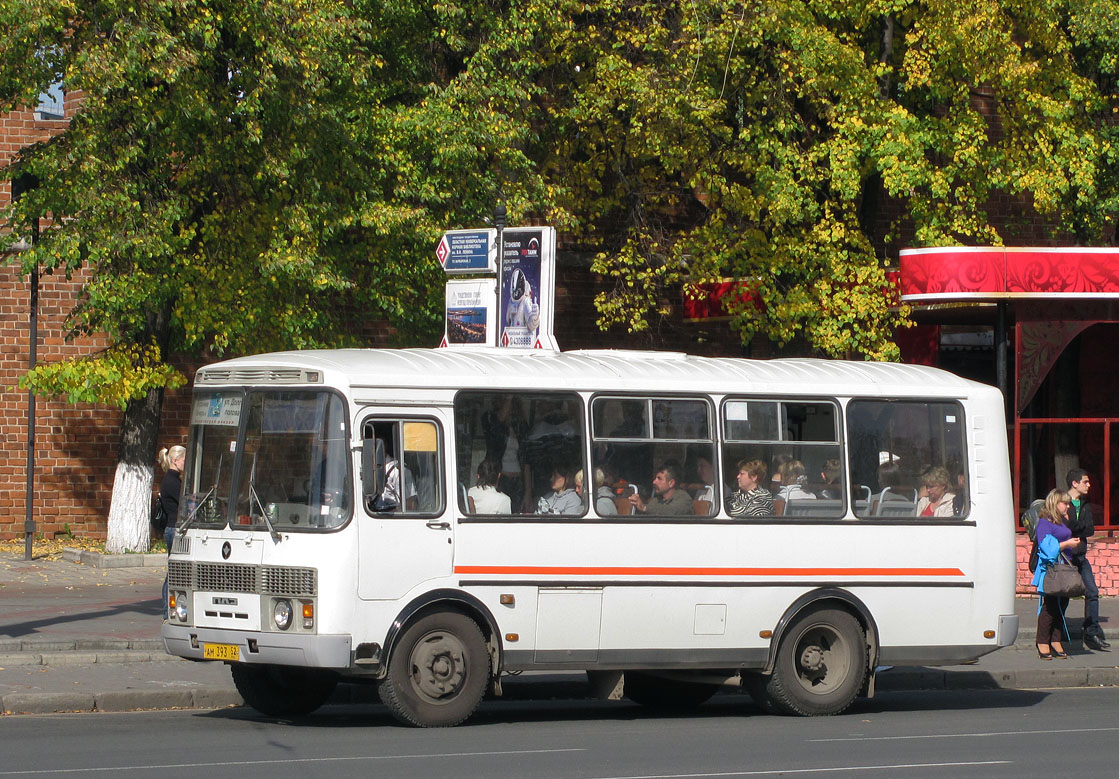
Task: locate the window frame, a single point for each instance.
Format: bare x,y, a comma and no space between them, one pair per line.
378,416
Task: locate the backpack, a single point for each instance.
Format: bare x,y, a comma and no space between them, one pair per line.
1029,521
158,515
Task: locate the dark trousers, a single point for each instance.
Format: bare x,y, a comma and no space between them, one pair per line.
1051,620
1091,598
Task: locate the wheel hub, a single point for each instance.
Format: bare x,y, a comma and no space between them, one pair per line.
438,666
812,658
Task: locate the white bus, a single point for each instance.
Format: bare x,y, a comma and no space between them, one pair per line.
328,531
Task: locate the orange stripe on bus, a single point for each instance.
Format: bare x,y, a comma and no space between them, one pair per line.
543,570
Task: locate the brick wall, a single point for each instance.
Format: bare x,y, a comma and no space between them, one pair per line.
1103,555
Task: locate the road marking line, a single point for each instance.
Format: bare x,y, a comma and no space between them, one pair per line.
829,769
51,771
962,735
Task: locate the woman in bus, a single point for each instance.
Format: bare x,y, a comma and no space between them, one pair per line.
562,499
484,495
936,500
1052,521
750,499
603,497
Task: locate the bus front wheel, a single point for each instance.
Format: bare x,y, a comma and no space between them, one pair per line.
821,664
438,672
282,691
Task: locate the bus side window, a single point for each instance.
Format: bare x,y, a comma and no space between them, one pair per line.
797,444
646,445
522,443
898,447
411,467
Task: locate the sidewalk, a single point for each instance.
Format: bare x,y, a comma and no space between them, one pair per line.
80,638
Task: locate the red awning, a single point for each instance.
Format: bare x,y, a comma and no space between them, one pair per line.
963,273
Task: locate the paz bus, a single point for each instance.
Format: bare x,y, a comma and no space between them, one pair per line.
327,529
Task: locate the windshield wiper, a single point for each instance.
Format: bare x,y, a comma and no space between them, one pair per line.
276,537
194,512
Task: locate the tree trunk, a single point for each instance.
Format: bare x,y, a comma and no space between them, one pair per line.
129,527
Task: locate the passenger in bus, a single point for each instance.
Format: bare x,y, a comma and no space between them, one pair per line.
750,499
937,498
484,495
776,470
504,428
793,479
389,499
603,497
562,499
829,476
668,499
705,471
553,438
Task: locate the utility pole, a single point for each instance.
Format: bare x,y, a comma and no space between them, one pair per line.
20,185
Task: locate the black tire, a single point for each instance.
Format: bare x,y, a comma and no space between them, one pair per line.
821,664
658,693
283,691
438,672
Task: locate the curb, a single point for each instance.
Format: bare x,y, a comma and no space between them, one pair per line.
48,647
98,560
118,700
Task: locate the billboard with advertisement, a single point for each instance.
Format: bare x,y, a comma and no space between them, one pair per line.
527,303
469,313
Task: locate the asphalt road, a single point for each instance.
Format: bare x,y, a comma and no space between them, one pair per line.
997,733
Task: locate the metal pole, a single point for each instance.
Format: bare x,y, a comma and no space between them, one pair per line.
33,327
499,223
20,185
1000,357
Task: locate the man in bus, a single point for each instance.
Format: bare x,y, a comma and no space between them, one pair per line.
1081,525
668,499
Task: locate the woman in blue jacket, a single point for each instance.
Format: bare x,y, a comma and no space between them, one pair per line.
1053,537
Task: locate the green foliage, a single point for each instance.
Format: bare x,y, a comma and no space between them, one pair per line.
116,375
247,175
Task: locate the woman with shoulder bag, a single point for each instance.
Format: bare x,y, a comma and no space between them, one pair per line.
1053,537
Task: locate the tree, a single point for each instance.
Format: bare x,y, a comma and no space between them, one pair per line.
692,141
241,176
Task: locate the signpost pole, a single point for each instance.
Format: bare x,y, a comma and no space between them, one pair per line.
499,223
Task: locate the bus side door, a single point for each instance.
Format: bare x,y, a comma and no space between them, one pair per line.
406,533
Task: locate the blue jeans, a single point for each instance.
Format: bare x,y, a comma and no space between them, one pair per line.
169,536
1091,624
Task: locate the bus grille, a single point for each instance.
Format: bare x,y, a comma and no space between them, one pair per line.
224,577
289,581
213,577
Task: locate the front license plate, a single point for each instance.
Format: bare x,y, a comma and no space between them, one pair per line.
221,652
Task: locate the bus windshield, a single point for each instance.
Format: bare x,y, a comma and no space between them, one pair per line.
263,458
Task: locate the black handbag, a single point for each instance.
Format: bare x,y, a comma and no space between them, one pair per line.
1062,580
158,516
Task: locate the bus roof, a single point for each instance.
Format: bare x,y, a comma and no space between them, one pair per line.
601,370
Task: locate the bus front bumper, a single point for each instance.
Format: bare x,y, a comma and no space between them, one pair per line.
309,651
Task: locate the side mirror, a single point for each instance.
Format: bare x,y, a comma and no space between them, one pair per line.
372,466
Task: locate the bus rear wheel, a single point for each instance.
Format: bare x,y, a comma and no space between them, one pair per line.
438,673
658,693
821,664
283,691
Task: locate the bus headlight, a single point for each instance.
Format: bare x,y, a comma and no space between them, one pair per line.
178,606
282,614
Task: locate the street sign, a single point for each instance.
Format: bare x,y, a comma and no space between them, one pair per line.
468,251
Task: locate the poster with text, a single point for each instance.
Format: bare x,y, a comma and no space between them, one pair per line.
468,319
527,288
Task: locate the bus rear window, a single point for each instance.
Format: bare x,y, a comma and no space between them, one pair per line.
908,458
